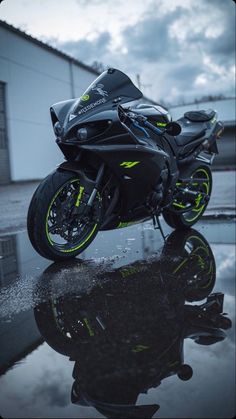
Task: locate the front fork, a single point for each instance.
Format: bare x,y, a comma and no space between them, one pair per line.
87,192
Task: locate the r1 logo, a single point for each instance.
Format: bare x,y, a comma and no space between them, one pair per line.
129,164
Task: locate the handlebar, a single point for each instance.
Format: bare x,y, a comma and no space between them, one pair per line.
172,128
140,119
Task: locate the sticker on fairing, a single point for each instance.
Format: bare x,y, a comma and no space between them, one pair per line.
72,116
98,89
84,98
91,106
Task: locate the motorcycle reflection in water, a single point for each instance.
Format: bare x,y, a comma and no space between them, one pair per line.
126,334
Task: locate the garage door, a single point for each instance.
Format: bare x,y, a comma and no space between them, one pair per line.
4,156
8,260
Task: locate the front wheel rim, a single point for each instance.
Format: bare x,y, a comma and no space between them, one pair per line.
61,236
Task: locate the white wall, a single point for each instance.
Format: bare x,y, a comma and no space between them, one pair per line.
36,78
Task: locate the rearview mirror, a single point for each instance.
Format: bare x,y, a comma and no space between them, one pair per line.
173,128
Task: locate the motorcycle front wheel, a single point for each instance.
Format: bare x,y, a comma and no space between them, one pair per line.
55,228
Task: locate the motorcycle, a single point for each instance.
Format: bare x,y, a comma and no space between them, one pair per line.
126,334
123,165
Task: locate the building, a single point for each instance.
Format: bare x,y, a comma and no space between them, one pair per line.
227,114
33,76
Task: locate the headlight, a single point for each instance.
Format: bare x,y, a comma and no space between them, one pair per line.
57,129
82,134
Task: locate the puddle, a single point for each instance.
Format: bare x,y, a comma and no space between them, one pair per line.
122,331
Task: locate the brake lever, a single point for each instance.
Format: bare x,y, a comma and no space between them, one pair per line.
121,113
126,115
141,120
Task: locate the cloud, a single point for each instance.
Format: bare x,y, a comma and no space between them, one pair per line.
180,52
92,2
52,390
217,37
183,74
88,50
150,38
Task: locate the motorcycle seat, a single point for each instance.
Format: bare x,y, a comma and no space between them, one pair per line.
190,131
200,116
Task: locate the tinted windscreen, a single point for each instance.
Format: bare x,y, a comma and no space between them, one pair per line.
109,89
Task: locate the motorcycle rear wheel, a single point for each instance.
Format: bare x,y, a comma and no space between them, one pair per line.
186,220
54,231
192,263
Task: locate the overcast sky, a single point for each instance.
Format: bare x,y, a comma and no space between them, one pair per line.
182,49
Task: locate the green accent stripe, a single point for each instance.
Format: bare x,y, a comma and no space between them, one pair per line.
123,224
199,210
180,266
139,348
80,245
81,190
161,124
176,204
90,330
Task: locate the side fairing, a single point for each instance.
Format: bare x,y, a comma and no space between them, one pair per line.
137,168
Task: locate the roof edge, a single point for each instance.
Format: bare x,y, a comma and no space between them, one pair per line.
47,47
55,51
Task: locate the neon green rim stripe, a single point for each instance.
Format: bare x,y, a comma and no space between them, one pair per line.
49,209
210,280
180,266
207,252
81,244
47,234
199,210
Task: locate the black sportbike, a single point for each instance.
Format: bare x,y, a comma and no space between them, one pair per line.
123,165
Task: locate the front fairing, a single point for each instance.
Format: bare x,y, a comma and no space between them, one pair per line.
110,89
60,110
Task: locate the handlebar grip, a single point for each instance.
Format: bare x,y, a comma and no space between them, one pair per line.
152,128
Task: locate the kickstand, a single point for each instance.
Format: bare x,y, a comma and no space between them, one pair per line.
157,225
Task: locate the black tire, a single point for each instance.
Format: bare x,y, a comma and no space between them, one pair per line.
185,220
51,331
42,203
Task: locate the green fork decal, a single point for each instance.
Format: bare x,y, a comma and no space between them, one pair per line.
90,330
81,190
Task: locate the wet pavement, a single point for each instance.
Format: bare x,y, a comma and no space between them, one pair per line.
133,328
